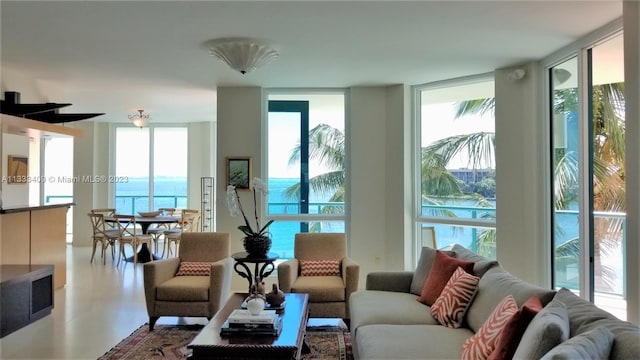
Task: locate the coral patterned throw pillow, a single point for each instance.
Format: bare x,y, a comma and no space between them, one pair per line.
192,268
320,267
454,300
482,344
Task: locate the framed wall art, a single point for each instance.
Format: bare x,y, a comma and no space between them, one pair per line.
239,172
17,167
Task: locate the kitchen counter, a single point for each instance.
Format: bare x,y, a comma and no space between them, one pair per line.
35,235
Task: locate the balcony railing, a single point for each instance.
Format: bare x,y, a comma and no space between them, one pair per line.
133,203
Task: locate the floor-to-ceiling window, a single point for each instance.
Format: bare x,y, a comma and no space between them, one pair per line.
153,160
587,109
456,164
306,165
58,187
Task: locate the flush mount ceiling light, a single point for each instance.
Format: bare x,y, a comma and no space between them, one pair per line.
140,119
242,54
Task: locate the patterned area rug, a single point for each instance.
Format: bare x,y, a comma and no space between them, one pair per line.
170,342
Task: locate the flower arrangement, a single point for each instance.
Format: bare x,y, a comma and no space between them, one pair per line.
235,208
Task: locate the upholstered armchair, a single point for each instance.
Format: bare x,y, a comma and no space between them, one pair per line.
195,283
321,268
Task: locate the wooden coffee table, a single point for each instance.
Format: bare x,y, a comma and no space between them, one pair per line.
208,344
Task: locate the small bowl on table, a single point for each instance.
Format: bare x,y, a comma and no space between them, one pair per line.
149,213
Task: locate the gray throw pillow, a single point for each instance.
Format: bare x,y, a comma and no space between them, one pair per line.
422,269
548,328
593,344
482,264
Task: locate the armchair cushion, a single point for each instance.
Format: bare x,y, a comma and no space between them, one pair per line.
320,288
320,267
184,288
194,268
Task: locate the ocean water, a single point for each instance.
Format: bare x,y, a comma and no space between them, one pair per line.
172,192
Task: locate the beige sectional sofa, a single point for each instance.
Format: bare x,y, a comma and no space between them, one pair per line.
387,321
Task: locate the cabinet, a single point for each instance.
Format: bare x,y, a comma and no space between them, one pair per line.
26,294
206,194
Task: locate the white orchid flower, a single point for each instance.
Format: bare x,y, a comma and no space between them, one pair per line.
258,185
232,201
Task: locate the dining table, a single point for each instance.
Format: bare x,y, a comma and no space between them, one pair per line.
145,254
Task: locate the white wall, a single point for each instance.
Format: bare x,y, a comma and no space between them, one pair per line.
201,159
376,131
520,175
367,231
30,91
14,194
239,129
85,161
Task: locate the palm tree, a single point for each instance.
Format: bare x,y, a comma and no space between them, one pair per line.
439,185
326,145
608,166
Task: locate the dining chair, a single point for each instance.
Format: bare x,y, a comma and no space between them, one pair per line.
102,234
127,235
428,237
158,230
107,212
189,222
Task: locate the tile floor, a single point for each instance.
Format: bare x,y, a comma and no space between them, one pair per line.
99,306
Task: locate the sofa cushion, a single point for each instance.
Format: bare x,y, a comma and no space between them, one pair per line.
481,263
409,342
425,262
320,288
515,327
547,329
194,268
184,288
585,316
483,343
450,307
443,267
320,267
384,307
593,344
493,287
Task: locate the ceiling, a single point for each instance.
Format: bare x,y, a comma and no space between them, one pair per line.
119,56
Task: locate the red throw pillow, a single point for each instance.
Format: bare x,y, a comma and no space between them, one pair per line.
320,267
514,329
190,268
443,267
452,304
483,343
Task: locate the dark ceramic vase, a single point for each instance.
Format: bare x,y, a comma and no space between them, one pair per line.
276,297
257,246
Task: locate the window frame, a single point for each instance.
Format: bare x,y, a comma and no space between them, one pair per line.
418,219
112,158
581,50
297,94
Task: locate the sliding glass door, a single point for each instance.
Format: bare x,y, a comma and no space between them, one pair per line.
588,129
